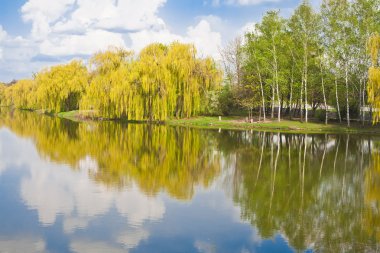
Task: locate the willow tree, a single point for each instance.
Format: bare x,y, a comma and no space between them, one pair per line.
23,94
104,78
161,82
207,77
60,87
155,82
374,76
2,94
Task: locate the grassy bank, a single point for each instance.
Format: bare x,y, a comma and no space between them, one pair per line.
291,126
238,123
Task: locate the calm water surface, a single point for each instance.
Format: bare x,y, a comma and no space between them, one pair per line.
112,187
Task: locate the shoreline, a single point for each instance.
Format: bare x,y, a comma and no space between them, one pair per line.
238,123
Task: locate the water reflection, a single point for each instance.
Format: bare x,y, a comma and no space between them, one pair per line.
155,157
112,187
308,188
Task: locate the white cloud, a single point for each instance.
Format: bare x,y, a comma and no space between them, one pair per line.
205,40
79,199
86,44
201,35
138,207
83,246
205,247
66,29
241,2
3,35
249,2
82,27
85,26
21,245
44,12
145,37
248,27
132,238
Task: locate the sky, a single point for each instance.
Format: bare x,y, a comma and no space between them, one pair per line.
36,34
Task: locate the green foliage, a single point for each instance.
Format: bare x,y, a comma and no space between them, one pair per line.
314,60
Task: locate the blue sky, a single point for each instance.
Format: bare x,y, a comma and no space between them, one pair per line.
36,34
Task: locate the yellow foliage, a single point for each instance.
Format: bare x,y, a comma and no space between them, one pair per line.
61,87
160,83
372,197
154,157
19,95
373,87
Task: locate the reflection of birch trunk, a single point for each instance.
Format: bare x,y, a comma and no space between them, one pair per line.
303,170
289,156
345,164
361,157
275,171
300,158
323,157
261,157
337,99
336,155
271,152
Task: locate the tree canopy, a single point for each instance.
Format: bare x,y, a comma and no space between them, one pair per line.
163,81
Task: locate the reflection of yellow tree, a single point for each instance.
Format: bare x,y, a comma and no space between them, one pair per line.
153,156
372,197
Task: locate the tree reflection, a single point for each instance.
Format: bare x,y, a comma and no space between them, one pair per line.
372,196
155,157
308,188
319,192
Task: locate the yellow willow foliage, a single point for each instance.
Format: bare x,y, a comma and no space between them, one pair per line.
60,87
374,47
154,157
156,85
162,82
2,91
374,77
372,197
109,73
192,78
19,95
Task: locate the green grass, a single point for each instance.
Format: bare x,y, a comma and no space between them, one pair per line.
75,115
238,123
291,126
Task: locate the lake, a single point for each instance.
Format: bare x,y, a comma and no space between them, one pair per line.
117,187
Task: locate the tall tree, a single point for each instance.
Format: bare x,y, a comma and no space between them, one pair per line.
303,25
272,30
374,75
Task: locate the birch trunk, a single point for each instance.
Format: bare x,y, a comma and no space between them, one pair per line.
337,99
347,101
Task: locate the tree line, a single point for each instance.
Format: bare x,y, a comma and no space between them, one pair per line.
162,81
324,63
313,61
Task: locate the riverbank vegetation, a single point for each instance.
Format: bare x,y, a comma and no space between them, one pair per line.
320,65
311,64
161,82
